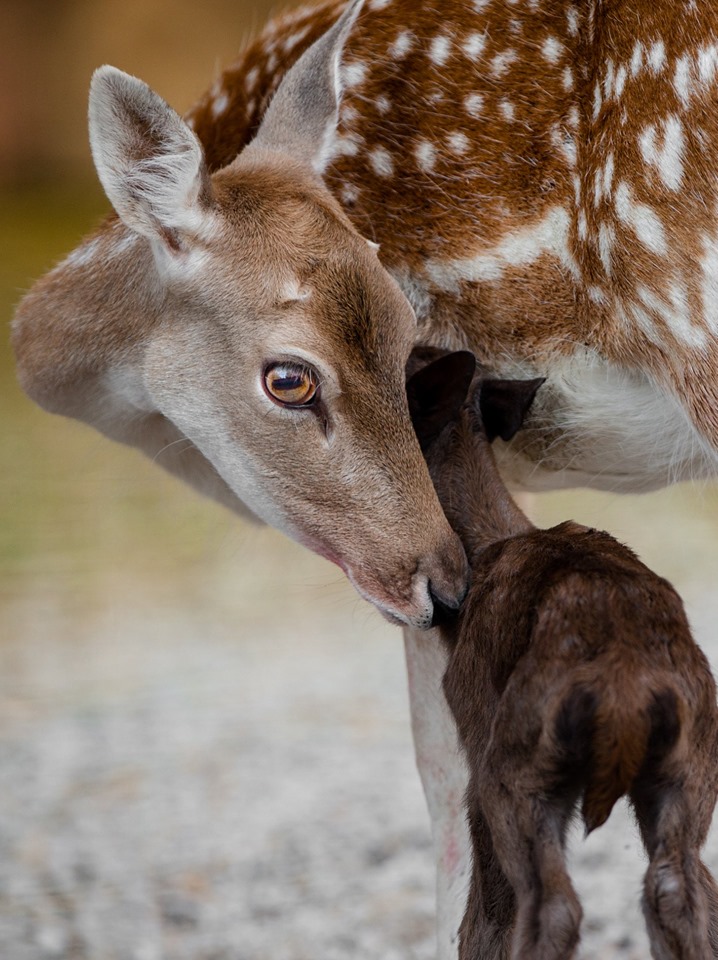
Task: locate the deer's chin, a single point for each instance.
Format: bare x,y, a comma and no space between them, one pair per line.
416,610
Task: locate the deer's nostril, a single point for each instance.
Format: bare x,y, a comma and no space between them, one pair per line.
445,608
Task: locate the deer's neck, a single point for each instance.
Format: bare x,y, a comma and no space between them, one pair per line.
477,501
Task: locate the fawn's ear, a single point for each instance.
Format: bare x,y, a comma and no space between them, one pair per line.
302,116
437,392
504,405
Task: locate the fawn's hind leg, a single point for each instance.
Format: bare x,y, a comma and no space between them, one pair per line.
528,832
680,899
678,892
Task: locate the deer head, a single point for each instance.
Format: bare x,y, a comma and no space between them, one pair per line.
241,310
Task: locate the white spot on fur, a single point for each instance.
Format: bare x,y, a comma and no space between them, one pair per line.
620,81
425,153
606,238
402,45
707,64
501,63
596,102
381,162
642,219
597,186
349,193
682,79
383,105
608,172
667,156
517,248
291,42
657,56
348,113
576,189
609,78
567,78
573,21
474,45
378,4
637,58
354,74
220,105
473,104
250,81
582,225
347,145
674,312
552,49
440,49
507,109
458,143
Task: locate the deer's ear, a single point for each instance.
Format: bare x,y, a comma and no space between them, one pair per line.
504,405
437,392
302,117
150,163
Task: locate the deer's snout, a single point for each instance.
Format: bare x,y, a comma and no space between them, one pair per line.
441,583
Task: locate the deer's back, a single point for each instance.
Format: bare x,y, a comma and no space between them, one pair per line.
554,600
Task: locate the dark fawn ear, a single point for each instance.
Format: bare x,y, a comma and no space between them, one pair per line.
504,405
437,392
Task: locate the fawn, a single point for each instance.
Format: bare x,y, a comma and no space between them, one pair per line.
572,672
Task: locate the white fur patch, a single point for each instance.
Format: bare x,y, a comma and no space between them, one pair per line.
663,149
474,45
425,153
518,248
618,430
642,219
440,49
402,45
381,161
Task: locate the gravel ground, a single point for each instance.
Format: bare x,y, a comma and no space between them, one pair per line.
228,775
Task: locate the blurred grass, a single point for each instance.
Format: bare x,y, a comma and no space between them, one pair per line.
75,507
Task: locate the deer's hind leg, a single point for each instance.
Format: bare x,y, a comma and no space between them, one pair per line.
528,820
673,797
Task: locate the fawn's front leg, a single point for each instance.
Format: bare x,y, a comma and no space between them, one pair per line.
444,777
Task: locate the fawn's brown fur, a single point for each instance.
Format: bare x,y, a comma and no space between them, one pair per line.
572,672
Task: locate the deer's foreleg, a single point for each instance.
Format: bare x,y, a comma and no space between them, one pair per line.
444,778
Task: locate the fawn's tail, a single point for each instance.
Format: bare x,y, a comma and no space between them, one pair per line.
619,729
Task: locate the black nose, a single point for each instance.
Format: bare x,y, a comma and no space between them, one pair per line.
445,611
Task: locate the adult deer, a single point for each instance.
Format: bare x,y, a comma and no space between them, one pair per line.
540,179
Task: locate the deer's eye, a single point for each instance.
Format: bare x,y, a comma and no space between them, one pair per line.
291,384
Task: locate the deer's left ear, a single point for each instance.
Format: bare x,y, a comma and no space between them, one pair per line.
302,117
504,405
437,392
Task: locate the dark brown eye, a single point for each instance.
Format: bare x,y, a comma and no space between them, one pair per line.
291,384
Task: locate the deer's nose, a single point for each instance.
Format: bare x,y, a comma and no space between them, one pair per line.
446,608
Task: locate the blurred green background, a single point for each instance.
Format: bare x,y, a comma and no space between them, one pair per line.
114,578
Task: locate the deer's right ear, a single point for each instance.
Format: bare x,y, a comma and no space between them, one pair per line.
437,392
302,117
149,162
504,405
